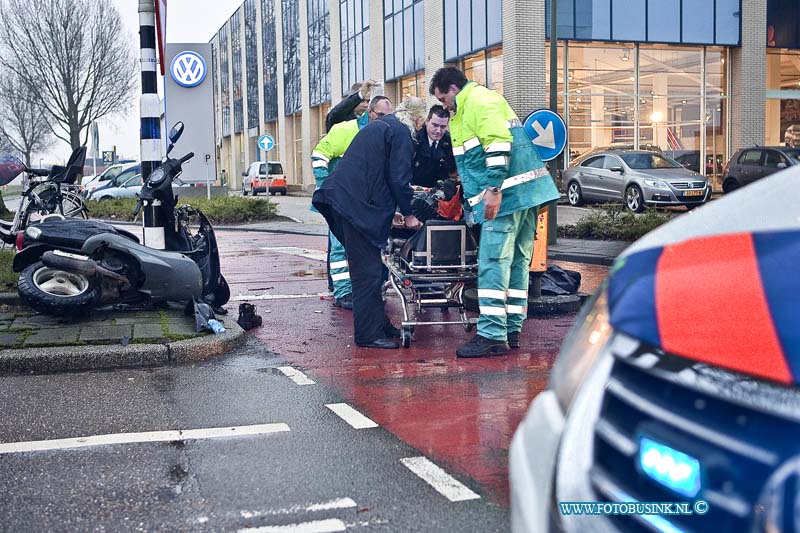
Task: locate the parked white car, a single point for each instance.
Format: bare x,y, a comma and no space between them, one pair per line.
129,189
113,176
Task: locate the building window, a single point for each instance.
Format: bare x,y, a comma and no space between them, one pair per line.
704,22
661,97
319,52
354,18
225,101
270,60
470,26
251,57
236,57
403,37
485,68
783,106
291,56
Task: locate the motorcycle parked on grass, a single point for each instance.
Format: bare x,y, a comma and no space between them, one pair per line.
70,267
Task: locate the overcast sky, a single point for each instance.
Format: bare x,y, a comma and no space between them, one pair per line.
188,21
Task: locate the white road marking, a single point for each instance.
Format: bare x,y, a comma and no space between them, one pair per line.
351,416
444,483
147,436
295,375
317,526
247,297
299,252
339,503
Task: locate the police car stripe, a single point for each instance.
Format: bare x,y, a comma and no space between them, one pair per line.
686,283
498,147
491,293
513,181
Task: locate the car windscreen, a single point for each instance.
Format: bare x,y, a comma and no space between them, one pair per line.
794,154
124,176
111,173
649,161
275,168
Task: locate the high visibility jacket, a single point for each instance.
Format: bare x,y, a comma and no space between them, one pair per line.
332,146
492,149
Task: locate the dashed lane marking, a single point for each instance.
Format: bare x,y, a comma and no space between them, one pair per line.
316,526
351,416
247,297
148,436
444,483
338,503
299,252
295,375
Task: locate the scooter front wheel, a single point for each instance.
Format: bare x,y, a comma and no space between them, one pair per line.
57,292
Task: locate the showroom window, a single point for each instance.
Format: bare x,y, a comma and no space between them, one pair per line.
403,37
319,52
783,98
486,68
660,97
251,57
470,26
291,56
270,60
236,67
225,99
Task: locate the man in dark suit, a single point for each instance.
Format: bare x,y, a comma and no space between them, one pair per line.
433,160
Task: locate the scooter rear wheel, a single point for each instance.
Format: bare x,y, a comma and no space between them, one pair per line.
57,292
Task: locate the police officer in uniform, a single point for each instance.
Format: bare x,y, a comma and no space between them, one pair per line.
433,159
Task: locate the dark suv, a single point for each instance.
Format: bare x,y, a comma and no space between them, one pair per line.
749,164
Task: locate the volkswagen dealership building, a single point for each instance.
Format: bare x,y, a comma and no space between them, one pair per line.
702,76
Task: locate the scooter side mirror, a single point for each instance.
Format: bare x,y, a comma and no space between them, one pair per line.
176,132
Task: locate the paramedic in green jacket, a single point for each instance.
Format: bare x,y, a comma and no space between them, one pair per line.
505,182
323,160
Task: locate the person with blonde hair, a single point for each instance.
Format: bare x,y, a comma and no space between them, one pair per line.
359,199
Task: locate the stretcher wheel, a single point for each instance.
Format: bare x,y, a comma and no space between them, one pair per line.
405,337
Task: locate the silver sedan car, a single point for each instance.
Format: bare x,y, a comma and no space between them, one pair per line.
637,178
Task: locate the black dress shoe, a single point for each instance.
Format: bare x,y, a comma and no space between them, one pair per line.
386,344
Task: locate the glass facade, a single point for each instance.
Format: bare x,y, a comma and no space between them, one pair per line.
783,24
470,26
642,96
783,98
225,100
269,59
251,58
354,19
236,65
319,52
215,82
403,37
486,68
705,22
292,102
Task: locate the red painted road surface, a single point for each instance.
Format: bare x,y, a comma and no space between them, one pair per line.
459,413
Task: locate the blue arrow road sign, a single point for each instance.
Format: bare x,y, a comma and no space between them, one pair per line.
266,142
548,132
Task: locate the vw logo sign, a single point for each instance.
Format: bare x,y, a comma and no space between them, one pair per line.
188,69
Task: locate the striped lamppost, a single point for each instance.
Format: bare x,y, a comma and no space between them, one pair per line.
150,113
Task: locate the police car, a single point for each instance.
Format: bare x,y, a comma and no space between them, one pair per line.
678,382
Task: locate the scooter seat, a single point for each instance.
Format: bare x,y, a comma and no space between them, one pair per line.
72,233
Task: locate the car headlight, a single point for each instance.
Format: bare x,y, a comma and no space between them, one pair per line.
656,184
580,348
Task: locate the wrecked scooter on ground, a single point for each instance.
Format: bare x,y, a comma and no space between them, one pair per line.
69,267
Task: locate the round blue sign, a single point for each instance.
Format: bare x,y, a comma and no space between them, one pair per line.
188,69
266,142
548,132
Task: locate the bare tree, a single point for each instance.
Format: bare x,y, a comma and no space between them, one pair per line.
75,56
23,124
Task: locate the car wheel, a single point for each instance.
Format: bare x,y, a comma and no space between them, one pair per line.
730,185
574,194
244,191
272,193
283,193
634,200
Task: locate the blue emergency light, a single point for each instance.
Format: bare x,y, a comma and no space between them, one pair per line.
669,467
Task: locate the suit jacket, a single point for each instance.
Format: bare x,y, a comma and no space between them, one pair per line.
371,181
429,168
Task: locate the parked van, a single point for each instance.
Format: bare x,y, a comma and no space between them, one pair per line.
264,177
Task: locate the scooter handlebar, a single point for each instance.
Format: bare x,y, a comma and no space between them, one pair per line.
137,208
185,158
